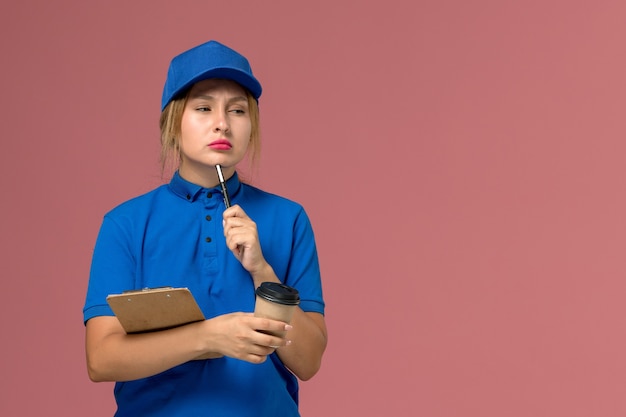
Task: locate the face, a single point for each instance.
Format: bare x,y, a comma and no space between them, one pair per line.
215,129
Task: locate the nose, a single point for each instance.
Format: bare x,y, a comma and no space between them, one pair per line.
221,122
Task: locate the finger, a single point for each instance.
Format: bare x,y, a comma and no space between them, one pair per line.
241,236
235,211
232,228
240,225
263,323
237,221
285,342
236,244
256,359
273,330
273,341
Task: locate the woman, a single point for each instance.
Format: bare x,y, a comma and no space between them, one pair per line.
182,235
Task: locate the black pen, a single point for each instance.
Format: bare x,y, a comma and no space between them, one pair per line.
218,167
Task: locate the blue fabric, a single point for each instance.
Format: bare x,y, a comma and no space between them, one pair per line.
209,60
173,236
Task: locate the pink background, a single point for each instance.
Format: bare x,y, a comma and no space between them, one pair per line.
462,163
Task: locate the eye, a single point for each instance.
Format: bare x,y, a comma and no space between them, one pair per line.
238,109
203,108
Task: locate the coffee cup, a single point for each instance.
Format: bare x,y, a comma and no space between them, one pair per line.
277,302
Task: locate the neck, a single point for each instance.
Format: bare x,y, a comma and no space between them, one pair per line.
205,177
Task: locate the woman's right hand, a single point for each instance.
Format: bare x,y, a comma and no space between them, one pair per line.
241,336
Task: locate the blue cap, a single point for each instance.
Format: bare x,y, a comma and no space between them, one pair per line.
209,60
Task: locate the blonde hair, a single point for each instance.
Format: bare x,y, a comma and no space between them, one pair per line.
170,125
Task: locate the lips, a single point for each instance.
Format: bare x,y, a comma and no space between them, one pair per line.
220,145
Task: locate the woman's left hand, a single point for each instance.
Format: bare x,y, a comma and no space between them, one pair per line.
242,239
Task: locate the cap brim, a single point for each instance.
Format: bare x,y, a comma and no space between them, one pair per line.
233,74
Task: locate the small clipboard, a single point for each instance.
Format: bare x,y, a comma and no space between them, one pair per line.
154,309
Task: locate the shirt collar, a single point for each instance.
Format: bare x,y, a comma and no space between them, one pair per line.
190,191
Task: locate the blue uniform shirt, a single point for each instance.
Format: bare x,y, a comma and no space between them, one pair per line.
173,236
